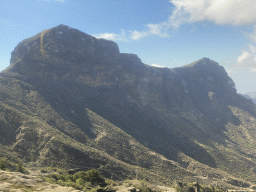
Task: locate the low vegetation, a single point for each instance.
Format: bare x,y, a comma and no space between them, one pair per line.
93,181
82,180
8,165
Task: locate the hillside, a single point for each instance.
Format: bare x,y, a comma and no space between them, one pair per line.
73,101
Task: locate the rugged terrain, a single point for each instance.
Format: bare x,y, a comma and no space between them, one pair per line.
18,182
73,101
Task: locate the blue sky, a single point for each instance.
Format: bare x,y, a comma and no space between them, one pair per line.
169,33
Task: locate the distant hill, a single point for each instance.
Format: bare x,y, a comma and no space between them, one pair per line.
248,97
71,100
252,94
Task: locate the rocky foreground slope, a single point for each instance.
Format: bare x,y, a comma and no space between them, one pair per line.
71,100
18,182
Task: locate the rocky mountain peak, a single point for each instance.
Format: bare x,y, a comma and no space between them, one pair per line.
63,52
59,46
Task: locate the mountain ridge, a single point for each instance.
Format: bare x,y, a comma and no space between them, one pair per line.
76,100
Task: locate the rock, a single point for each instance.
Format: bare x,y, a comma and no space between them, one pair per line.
132,189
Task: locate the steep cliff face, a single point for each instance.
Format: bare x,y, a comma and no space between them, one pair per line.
74,97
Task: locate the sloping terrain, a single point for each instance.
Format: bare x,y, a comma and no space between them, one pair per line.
18,182
71,100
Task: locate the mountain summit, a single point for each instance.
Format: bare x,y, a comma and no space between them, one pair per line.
71,100
58,47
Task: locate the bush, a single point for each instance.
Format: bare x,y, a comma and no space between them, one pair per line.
61,177
55,176
20,168
50,180
80,174
80,181
69,177
61,182
93,190
3,165
94,176
68,184
87,184
109,181
188,189
207,189
43,170
54,169
77,186
143,186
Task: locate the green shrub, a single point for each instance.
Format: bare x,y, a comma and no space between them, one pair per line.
54,169
20,168
68,183
207,189
61,182
50,180
93,190
43,170
127,181
80,181
94,176
188,189
61,177
87,184
69,177
54,176
109,181
60,171
3,165
77,186
80,174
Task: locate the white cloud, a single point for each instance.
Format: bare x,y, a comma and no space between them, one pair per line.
112,36
253,70
155,65
152,29
219,11
135,35
222,12
243,57
229,71
247,59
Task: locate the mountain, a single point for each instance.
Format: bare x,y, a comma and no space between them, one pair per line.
248,97
252,94
71,100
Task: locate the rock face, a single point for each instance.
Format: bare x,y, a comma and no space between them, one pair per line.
68,98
